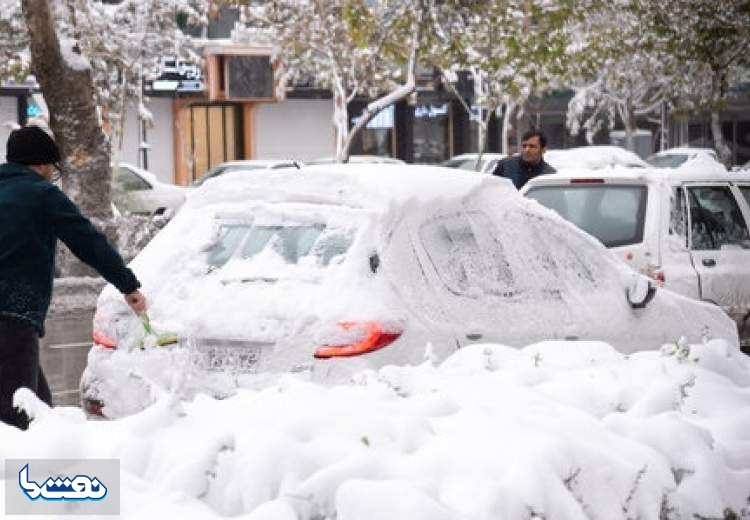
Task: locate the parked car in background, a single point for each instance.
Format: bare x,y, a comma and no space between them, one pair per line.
468,161
136,191
686,228
245,165
676,157
356,159
329,270
593,157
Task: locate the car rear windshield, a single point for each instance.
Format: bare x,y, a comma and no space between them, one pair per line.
316,244
614,214
667,161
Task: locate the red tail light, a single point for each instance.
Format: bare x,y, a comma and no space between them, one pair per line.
104,341
362,337
93,407
102,334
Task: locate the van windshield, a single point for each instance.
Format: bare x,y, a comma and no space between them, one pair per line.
611,213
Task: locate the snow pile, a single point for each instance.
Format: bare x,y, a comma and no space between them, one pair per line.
593,157
556,430
702,163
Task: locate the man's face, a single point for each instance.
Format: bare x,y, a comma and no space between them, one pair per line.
48,171
531,150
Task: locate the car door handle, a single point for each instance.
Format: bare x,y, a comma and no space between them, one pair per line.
709,262
473,336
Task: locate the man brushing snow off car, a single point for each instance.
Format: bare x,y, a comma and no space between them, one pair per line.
34,213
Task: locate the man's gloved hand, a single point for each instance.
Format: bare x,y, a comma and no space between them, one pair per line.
137,301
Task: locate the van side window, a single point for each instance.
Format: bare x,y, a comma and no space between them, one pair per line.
678,213
715,218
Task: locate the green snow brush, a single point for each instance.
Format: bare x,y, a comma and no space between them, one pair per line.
165,338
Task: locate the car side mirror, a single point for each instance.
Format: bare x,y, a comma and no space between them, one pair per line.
640,292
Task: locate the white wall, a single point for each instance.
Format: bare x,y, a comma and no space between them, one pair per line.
294,129
8,116
161,154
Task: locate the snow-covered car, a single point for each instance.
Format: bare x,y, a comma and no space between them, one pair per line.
330,270
356,159
249,165
593,157
468,161
137,191
686,228
676,157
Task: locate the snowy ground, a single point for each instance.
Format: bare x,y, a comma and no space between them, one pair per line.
557,430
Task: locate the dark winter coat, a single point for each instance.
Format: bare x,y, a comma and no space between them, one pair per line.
34,213
519,171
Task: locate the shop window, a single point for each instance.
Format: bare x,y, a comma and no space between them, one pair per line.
377,136
432,133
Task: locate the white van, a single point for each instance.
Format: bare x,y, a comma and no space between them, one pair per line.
686,228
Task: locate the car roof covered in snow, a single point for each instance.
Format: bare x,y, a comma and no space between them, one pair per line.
594,157
698,170
355,185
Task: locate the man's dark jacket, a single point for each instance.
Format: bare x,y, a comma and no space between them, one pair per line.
519,171
34,213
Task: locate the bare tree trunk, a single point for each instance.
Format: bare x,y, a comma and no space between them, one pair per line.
629,128
509,109
340,119
68,89
720,87
725,153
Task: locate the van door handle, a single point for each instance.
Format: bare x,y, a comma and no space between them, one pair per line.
709,262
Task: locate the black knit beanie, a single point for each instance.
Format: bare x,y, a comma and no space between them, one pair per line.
32,145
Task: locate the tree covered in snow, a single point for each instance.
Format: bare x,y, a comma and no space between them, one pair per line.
621,77
352,47
14,62
639,54
710,45
513,49
89,59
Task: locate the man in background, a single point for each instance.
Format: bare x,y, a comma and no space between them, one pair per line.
522,168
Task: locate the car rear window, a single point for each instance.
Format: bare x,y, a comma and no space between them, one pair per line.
614,214
316,243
